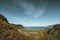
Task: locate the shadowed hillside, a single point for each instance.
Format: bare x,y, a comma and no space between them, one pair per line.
52,33
10,31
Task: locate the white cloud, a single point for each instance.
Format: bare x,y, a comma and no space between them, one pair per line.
16,20
30,9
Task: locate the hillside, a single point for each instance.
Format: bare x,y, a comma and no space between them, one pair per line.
10,31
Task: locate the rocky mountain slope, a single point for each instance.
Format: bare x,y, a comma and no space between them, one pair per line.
54,33
10,31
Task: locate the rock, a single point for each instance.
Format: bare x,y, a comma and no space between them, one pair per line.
9,31
18,26
3,18
54,33
55,29
57,26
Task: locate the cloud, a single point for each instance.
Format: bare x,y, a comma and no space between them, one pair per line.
16,20
32,10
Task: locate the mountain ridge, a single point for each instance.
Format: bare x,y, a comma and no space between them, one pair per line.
10,31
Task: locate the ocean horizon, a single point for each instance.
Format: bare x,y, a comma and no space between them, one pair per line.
35,28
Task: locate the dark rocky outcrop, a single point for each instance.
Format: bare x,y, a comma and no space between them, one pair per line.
55,29
3,18
54,33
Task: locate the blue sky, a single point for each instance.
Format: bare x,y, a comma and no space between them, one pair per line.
31,12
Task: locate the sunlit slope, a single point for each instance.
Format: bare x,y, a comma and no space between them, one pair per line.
10,31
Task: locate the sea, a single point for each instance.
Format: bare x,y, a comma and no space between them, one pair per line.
35,28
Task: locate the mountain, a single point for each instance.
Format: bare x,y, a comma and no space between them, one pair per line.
54,33
55,29
10,31
3,18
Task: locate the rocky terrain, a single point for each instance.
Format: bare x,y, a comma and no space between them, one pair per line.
10,31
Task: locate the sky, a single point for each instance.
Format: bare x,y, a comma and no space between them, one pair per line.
31,12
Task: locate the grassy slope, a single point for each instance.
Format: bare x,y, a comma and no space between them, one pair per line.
16,32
